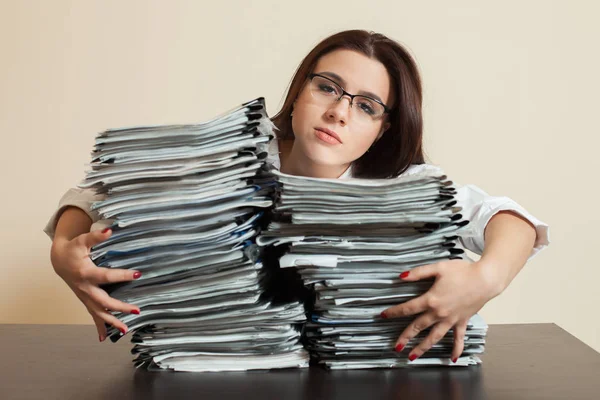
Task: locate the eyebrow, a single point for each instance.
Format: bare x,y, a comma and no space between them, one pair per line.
342,82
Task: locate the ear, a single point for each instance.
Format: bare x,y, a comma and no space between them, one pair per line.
384,128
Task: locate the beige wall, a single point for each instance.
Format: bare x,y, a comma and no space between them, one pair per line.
511,104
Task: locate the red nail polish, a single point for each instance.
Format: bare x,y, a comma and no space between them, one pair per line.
123,331
413,357
136,312
399,347
454,360
137,275
383,314
404,274
105,230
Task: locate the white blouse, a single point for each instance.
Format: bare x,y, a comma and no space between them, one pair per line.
477,206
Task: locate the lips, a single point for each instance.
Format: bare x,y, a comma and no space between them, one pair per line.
330,133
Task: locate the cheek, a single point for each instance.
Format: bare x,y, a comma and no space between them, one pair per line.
304,115
296,121
363,139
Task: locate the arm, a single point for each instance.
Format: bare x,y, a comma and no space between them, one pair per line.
505,235
75,200
72,222
509,241
69,229
480,208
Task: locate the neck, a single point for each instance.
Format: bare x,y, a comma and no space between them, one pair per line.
294,162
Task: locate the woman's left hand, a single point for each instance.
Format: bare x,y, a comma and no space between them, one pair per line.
460,290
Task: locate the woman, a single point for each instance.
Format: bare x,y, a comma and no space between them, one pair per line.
353,109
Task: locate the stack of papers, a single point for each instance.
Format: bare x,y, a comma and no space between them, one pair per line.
349,240
185,213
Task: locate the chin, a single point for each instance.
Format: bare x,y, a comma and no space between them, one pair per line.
322,154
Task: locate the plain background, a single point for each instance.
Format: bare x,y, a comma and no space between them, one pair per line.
510,104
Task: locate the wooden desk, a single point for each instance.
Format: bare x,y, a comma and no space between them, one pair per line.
530,361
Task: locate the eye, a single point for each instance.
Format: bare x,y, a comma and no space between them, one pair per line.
366,106
327,88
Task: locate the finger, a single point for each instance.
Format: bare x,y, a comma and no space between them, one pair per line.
411,307
100,327
100,275
110,319
91,239
460,329
422,272
417,326
435,335
102,316
110,303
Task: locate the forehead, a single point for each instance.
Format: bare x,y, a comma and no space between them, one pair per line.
359,72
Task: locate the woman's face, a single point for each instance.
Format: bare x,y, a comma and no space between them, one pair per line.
356,74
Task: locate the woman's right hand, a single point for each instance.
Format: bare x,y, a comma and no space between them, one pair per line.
71,261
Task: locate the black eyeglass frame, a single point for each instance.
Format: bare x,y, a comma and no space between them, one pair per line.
386,110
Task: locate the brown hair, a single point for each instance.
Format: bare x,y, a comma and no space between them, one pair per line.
401,145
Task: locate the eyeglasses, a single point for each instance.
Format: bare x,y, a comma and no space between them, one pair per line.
327,92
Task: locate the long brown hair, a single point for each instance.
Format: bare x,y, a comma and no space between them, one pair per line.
401,145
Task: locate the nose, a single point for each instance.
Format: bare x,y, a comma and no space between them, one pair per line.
338,110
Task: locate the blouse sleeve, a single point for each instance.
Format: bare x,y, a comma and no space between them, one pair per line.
479,207
75,197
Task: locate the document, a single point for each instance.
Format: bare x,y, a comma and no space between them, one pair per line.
185,209
348,240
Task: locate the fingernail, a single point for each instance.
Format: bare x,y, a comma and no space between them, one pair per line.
105,230
413,357
136,312
399,347
454,360
137,275
404,274
383,314
123,330
100,338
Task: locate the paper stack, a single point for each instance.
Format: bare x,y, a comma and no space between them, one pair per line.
349,240
185,213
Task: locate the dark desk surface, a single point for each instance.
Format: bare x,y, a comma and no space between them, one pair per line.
530,361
